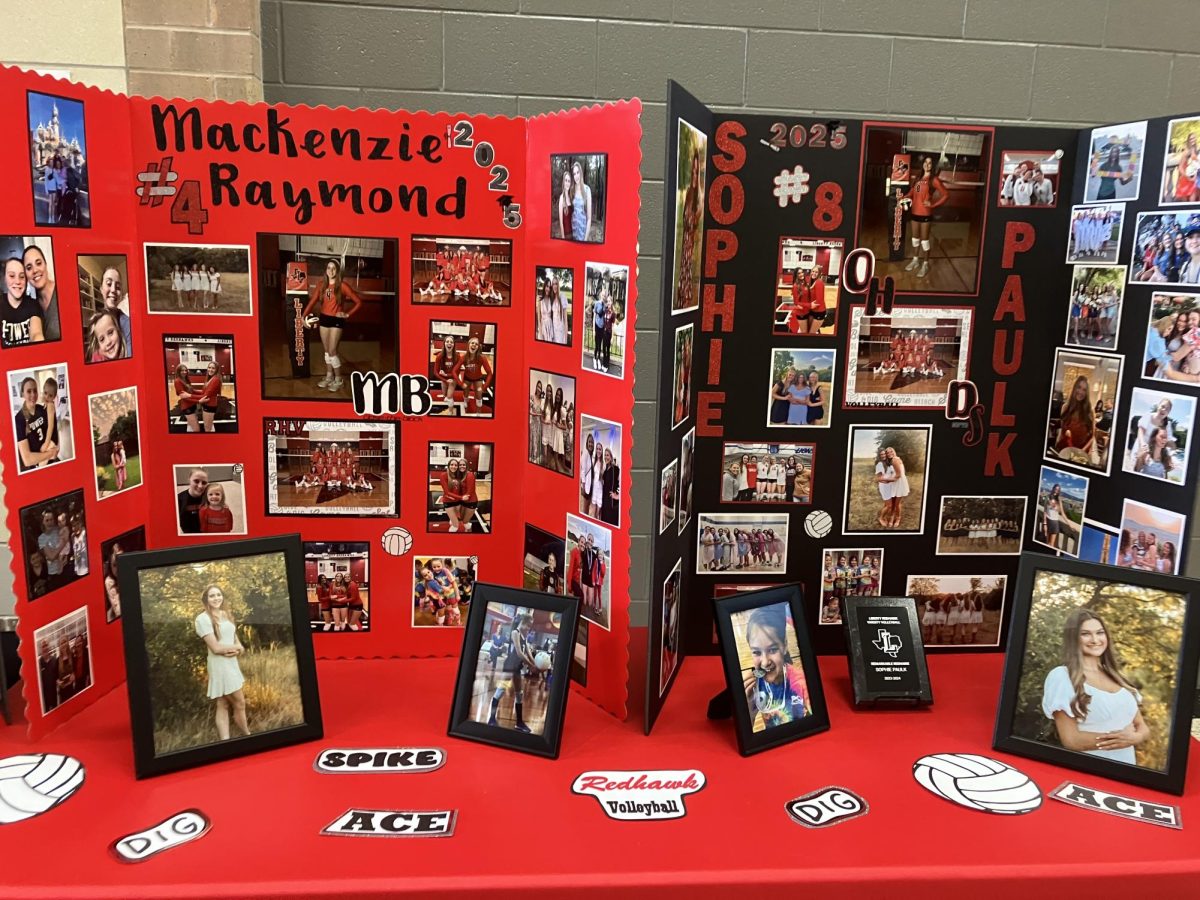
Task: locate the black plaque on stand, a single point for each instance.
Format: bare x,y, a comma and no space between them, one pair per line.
887,655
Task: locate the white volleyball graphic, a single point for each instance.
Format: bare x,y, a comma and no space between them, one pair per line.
35,783
818,523
978,782
397,541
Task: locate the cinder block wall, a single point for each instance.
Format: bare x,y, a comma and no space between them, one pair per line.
1075,62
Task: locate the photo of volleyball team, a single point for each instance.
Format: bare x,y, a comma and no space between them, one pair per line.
461,271
907,358
333,468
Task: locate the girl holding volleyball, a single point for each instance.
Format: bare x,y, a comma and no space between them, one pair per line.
331,294
520,653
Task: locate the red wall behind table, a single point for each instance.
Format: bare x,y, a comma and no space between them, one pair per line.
112,205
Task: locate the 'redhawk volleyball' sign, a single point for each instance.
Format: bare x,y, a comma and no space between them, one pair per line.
640,795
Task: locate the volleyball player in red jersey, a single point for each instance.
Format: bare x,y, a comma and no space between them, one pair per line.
354,598
339,602
752,477
801,303
816,296
922,204
458,494
331,294
209,397
187,397
445,361
324,600
474,375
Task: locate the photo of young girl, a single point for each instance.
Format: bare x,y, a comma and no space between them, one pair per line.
442,590
545,564
681,393
600,469
578,184
64,659
198,279
1115,162
958,610
201,383
776,691
742,543
116,441
460,488
516,655
461,271
552,312
110,551
806,285
105,308
767,473
462,368
552,422
210,499
1159,438
668,495
850,572
1084,391
60,160
589,562
606,289
41,410
54,543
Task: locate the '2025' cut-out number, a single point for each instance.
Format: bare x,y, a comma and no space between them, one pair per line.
188,207
817,135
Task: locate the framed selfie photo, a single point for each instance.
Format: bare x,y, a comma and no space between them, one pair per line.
218,652
1100,671
511,689
770,668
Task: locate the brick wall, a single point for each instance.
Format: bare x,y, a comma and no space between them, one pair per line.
1074,62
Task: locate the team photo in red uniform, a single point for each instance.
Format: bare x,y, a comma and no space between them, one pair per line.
461,271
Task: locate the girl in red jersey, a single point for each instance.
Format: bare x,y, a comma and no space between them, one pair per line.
458,495
187,397
922,203
324,600
215,516
339,603
473,372
801,303
816,296
445,362
209,397
354,599
331,293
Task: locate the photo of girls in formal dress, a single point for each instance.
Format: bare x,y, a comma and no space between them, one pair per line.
924,218
800,388
981,526
691,163
460,488
806,285
1059,509
1115,162
54,543
668,495
606,289
681,393
1083,407
321,467
59,159
849,572
337,577
64,659
1094,235
552,422
1159,439
1029,178
115,441
199,279
600,469
40,401
1097,294
201,383
462,369
517,654
1151,538
461,271
907,358
886,475
442,589
767,473
545,566
1181,163
328,307
742,542
210,499
1099,672
105,308
30,313
668,657
589,569
579,196
131,541
552,310
776,691
1166,248
958,610
1173,339
222,657
687,471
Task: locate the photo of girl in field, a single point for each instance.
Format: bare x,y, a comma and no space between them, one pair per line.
219,643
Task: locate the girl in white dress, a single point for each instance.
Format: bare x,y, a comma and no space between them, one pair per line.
927,620
895,474
939,621
953,620
177,284
1094,707
885,487
585,475
976,619
598,481
216,628
214,285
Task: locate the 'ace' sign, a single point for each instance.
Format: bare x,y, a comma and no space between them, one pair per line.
392,823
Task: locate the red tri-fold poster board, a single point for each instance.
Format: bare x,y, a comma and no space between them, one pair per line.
183,270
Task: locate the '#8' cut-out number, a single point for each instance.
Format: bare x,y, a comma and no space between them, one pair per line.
828,214
188,208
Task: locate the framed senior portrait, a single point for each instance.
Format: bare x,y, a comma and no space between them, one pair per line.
511,689
1100,671
218,652
770,668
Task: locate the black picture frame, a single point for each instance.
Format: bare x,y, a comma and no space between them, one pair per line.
147,762
913,652
1171,779
462,725
725,608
